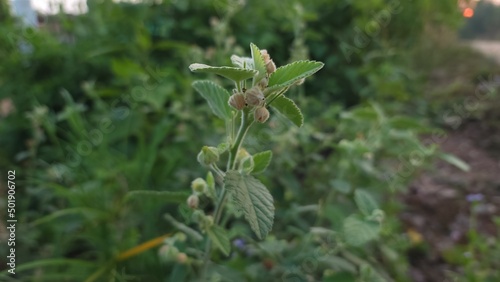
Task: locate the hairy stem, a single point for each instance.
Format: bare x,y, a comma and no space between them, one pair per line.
231,164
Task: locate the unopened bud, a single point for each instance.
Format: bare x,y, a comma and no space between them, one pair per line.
208,155
237,101
263,83
242,153
271,67
193,201
182,258
254,97
199,185
265,56
261,114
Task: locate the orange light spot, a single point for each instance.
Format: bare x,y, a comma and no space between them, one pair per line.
468,12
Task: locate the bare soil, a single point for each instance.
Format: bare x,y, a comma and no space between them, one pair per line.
438,203
489,48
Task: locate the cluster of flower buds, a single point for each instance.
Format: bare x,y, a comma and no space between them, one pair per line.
254,97
199,186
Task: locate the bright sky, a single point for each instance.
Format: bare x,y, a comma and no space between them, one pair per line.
70,6
50,6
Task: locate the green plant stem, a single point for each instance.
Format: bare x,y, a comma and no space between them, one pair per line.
244,126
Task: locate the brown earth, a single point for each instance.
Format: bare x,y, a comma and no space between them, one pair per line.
438,204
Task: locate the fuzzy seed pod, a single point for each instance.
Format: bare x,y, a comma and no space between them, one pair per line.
265,56
270,66
193,201
263,83
237,101
208,155
182,258
261,114
254,97
199,185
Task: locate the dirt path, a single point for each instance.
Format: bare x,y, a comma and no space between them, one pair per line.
439,204
489,48
440,201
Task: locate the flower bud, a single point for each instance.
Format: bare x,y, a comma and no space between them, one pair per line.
199,185
242,153
168,253
263,83
237,101
254,97
208,155
193,201
261,114
265,56
182,258
270,66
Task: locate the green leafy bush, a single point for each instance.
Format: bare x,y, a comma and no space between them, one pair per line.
107,125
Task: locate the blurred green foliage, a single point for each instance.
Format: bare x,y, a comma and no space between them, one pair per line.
104,108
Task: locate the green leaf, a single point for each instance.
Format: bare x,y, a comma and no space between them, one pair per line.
365,202
455,161
216,96
407,123
164,196
261,161
288,108
289,74
211,185
340,185
258,64
235,74
218,235
254,199
358,232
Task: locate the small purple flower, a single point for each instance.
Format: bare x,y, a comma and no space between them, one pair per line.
239,243
477,197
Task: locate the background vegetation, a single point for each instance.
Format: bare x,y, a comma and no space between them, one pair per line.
103,110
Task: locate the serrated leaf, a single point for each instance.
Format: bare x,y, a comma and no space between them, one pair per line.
358,232
254,199
218,235
164,196
216,96
288,108
365,202
261,161
455,161
258,64
289,74
235,74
